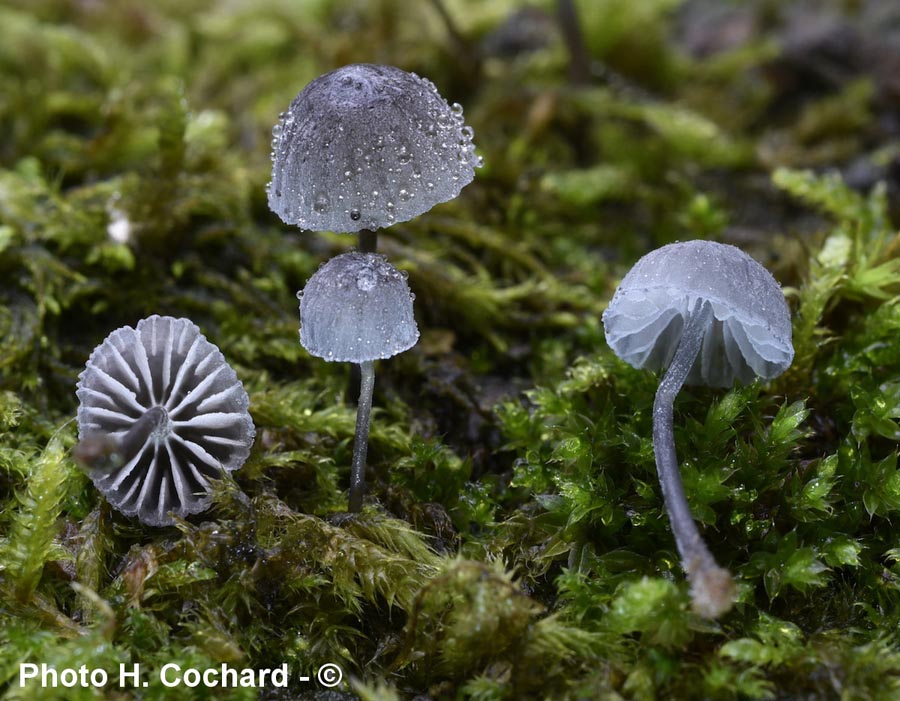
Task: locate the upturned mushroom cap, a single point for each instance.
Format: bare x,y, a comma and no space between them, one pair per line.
750,332
357,307
367,146
166,399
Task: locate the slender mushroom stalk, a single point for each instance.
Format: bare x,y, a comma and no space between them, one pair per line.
712,586
368,241
579,60
735,325
361,438
102,452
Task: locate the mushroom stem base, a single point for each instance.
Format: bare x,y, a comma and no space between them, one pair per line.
361,439
712,588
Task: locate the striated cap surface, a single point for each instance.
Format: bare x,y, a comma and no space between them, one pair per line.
164,402
750,332
367,146
357,307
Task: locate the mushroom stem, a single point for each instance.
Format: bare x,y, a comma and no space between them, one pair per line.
152,421
712,587
104,453
368,241
361,439
579,62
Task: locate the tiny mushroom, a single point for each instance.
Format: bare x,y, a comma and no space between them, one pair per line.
161,414
711,315
357,308
364,147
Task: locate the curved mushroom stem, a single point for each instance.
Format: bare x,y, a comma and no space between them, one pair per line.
361,439
152,421
368,241
102,452
712,587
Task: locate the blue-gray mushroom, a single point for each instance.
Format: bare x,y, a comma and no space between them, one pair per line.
357,308
161,415
709,314
366,146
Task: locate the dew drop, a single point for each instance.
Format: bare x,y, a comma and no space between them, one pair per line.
366,280
355,214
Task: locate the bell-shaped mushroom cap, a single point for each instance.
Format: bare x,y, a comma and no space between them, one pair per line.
165,397
357,307
366,146
750,332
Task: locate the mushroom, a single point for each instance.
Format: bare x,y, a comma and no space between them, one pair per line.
711,315
357,308
161,415
364,147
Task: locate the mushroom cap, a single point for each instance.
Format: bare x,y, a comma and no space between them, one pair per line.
367,146
750,332
195,415
355,308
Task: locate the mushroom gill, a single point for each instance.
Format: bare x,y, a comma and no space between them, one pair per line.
161,415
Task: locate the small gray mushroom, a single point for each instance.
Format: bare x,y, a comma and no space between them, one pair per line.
161,415
357,308
366,146
711,315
